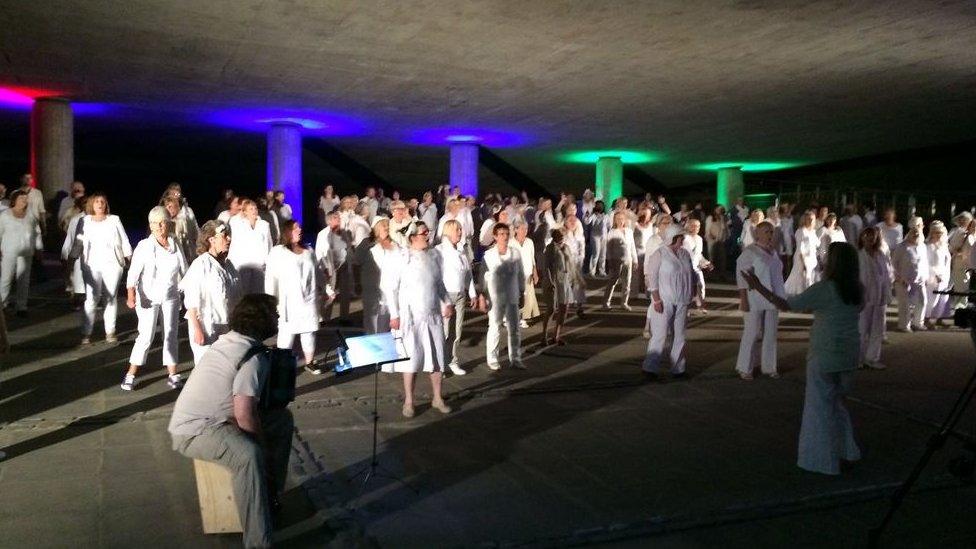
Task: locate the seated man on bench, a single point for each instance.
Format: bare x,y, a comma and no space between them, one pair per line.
217,417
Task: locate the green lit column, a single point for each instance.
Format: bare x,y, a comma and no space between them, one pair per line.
729,187
609,179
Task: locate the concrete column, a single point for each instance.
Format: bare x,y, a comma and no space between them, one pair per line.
729,186
52,132
464,168
609,184
285,163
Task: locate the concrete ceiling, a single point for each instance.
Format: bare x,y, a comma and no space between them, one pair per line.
696,81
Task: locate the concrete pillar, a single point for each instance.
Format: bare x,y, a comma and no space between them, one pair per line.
464,168
285,163
729,186
609,184
52,133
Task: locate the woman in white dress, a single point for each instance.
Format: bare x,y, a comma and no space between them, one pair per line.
153,291
372,255
210,289
829,233
105,249
910,263
804,272
526,247
875,271
962,239
937,305
250,247
20,241
558,291
621,260
826,433
293,277
672,284
576,242
419,304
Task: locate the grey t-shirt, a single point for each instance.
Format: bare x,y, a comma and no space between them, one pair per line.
207,399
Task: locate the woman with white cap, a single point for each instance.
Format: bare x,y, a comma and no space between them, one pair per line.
293,277
961,243
105,248
910,263
373,255
672,284
250,247
418,304
937,305
153,291
210,289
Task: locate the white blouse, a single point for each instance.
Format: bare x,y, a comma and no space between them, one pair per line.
504,277
294,280
249,246
671,274
155,271
455,269
621,246
19,236
104,242
210,287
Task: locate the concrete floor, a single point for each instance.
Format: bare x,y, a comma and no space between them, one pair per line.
577,450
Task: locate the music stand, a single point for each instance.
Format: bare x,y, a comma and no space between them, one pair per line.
373,350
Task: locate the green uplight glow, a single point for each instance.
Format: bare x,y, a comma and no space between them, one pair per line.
748,166
627,157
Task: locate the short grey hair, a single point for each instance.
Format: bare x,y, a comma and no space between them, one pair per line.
158,214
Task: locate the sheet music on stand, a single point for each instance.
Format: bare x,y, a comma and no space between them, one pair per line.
371,350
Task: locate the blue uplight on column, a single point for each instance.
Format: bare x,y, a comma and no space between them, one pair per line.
285,163
464,167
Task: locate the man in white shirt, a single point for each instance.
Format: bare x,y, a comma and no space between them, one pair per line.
459,282
505,281
330,254
761,318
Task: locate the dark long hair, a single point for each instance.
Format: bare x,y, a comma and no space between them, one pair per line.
843,269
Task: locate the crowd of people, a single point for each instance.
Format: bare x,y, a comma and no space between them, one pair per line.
419,263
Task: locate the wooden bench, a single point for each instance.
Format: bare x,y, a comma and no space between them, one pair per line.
215,487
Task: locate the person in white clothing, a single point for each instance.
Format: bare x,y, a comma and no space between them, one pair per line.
829,233
331,250
937,305
910,263
418,304
962,241
621,260
643,231
328,202
505,281
185,229
209,288
543,224
876,276
851,224
787,234
451,211
372,204
672,284
283,210
105,249
358,228
526,248
35,201
398,223
485,236
70,252
374,256
576,243
153,291
892,232
459,283
293,277
756,217
599,224
664,231
558,290
761,318
695,245
427,210
68,202
804,272
250,247
20,241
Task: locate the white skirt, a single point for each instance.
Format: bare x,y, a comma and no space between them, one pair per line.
423,342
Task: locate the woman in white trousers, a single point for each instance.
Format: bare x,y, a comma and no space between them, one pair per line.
826,432
153,291
373,254
910,263
105,249
672,284
940,259
20,240
419,304
875,272
292,276
459,284
210,289
250,247
760,317
621,260
505,281
576,243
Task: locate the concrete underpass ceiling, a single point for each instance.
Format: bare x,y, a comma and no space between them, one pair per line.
694,81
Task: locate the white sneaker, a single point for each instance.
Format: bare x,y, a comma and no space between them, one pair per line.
523,324
128,383
456,369
494,366
628,307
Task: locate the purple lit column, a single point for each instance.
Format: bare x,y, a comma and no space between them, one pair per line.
464,168
285,163
52,127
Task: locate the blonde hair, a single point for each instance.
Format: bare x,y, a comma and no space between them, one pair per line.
158,215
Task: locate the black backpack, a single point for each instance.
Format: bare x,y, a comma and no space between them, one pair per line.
279,387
